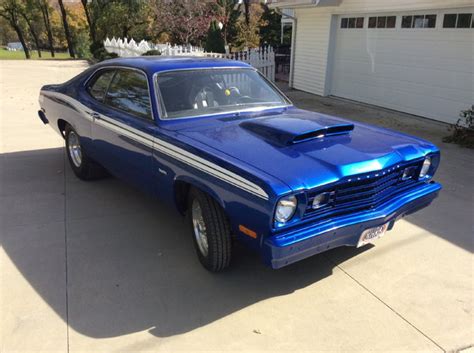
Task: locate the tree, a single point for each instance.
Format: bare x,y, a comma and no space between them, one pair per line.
45,12
90,20
214,40
247,11
30,13
10,10
270,27
248,35
120,18
67,32
186,21
227,13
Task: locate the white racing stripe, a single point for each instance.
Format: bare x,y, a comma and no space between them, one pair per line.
168,149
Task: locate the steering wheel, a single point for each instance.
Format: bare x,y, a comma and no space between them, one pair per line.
235,95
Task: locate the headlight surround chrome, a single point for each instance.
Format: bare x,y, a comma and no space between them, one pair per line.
425,169
286,208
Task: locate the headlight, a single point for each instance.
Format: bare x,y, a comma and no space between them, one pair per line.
320,200
425,168
285,209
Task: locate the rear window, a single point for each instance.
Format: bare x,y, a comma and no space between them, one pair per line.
99,84
128,92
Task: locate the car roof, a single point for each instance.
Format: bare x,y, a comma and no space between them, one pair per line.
153,64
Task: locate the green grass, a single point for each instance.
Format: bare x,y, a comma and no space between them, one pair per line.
20,55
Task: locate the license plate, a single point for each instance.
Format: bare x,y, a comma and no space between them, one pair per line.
372,234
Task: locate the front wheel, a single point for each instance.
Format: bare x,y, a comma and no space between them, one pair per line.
210,230
81,164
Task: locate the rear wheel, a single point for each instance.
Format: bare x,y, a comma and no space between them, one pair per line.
84,167
210,230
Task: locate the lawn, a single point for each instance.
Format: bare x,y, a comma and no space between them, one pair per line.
20,55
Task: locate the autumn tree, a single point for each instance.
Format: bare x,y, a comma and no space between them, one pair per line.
30,13
248,35
227,12
67,31
186,21
45,9
10,10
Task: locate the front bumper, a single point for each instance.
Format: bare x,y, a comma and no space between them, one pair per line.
283,249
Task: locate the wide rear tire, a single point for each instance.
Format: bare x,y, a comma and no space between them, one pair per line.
82,166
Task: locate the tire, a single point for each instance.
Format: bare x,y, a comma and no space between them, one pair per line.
82,166
216,228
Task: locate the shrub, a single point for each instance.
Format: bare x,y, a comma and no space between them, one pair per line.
152,53
82,45
463,130
101,54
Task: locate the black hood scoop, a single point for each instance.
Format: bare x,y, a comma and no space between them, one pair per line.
287,131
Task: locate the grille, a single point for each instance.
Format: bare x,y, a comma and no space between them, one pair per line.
365,192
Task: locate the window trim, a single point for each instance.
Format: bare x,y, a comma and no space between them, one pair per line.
456,21
355,18
92,77
115,68
159,99
424,14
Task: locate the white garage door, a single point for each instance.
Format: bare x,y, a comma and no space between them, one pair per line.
416,62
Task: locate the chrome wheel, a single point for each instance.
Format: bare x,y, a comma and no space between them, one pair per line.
200,232
74,147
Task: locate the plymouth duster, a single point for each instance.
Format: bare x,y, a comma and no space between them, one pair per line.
222,144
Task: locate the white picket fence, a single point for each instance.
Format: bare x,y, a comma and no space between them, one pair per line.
263,59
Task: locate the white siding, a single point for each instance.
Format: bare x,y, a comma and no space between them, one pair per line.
427,72
354,6
311,50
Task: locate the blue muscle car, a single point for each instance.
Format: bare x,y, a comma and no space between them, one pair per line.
232,153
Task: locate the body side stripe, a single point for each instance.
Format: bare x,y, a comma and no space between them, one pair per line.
167,149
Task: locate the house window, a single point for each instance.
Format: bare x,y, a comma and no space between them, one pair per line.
460,20
464,20
391,20
382,22
419,21
372,22
450,20
352,22
407,21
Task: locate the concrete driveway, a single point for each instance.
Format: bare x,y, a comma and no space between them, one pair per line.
97,266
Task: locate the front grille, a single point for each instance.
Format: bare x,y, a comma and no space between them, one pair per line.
364,192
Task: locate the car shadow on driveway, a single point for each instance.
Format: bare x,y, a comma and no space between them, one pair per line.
127,260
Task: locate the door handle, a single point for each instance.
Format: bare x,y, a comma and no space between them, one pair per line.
95,116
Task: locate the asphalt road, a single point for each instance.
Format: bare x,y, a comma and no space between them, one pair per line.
97,266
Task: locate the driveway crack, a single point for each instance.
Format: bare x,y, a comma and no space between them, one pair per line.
65,249
384,303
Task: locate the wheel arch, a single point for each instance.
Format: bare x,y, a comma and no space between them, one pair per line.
181,188
62,126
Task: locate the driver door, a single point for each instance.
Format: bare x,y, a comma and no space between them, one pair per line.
123,127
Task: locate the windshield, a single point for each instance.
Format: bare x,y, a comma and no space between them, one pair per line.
190,93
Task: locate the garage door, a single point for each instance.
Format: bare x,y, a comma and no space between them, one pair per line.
416,62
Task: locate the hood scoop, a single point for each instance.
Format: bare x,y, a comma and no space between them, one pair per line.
292,130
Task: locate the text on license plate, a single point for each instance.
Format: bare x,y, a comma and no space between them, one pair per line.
371,234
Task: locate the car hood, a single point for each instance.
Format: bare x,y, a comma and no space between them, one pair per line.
306,149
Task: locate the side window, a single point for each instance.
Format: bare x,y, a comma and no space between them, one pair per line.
128,92
99,84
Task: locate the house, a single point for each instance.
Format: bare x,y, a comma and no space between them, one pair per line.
415,56
14,46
